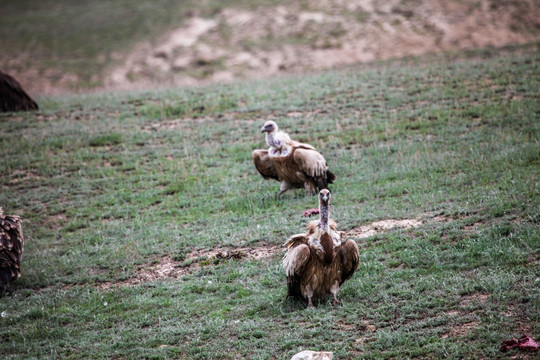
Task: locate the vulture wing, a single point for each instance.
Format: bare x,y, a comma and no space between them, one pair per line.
297,144
294,263
264,164
349,259
313,165
296,240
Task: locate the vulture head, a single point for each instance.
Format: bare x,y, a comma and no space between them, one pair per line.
269,127
324,197
278,141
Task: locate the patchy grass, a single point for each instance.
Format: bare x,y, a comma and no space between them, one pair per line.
128,198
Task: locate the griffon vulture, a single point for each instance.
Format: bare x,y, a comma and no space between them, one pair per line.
11,249
293,164
12,95
318,262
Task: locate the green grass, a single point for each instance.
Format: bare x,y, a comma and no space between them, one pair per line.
111,185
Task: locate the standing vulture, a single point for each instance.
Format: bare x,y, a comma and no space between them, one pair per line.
318,262
11,249
12,95
293,164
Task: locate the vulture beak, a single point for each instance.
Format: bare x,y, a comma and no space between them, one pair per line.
325,195
268,127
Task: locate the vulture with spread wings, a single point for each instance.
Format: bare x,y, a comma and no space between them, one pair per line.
295,165
319,262
11,249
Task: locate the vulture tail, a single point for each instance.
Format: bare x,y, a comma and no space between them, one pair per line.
322,182
330,177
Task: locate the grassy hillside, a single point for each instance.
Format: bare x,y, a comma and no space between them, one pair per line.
70,44
60,46
126,197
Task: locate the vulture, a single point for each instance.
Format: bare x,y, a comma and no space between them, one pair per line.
11,249
295,165
12,95
319,262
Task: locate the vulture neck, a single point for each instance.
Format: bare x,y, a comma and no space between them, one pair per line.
324,210
271,140
326,240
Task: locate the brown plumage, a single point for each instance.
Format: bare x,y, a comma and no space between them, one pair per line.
11,249
264,165
295,165
318,262
12,95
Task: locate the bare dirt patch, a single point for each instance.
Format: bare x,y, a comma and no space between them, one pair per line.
289,38
369,330
163,125
168,268
23,176
341,325
474,299
382,226
461,330
292,37
256,253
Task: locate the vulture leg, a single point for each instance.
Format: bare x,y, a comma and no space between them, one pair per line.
309,186
310,189
285,186
334,290
309,295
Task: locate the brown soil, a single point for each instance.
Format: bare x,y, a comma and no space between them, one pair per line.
240,43
294,37
167,267
461,330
